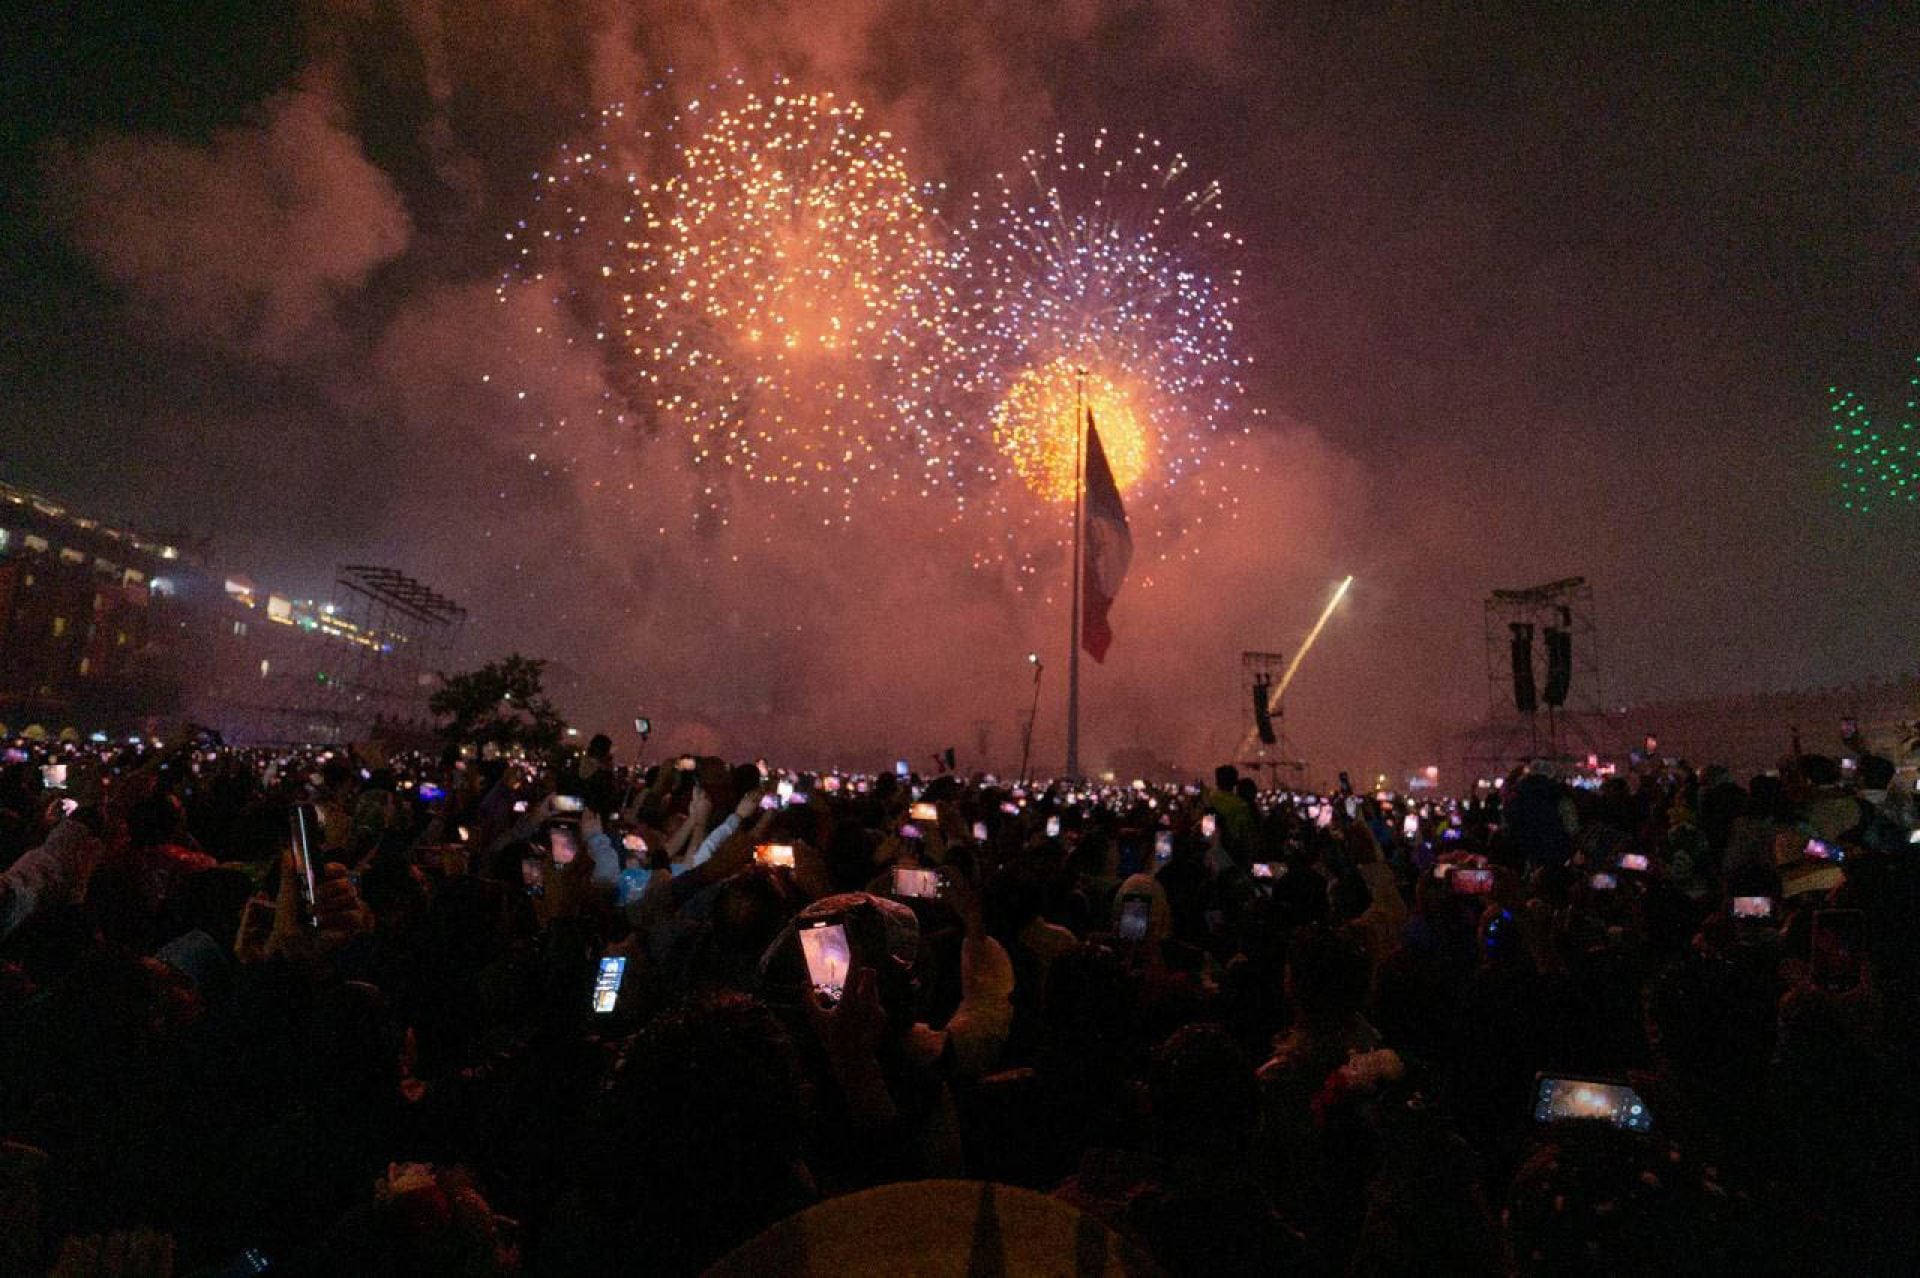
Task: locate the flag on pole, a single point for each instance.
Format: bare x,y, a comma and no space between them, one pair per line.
1108,548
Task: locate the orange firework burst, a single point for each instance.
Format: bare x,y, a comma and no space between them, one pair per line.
765,281
1034,427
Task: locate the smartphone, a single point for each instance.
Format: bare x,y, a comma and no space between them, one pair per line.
901,770
606,983
1323,815
533,875
783,791
1557,1100
1135,912
1410,827
643,726
921,883
1835,952
1758,908
1053,827
248,1263
1635,861
1268,869
633,843
1821,850
1010,809
800,799
306,823
685,763
1470,882
431,792
923,812
570,803
824,945
519,805
830,784
910,831
778,855
564,841
1208,824
54,776
69,806
979,831
463,832
1162,846
1603,882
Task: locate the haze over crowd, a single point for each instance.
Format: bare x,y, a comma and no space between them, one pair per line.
1559,302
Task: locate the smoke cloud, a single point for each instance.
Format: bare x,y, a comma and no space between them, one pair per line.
1486,364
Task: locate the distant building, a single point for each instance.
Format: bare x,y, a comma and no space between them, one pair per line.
103,629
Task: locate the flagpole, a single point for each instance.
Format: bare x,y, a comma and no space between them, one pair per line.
1073,623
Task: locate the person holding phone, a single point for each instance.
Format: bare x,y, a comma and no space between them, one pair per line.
50,876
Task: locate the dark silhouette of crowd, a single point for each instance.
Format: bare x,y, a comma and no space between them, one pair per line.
564,1016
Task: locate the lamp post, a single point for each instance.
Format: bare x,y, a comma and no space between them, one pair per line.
1026,740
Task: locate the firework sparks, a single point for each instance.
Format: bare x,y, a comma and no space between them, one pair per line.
767,283
1098,260
1035,427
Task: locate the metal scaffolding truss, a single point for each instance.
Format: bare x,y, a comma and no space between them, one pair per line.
1573,730
1260,671
402,593
402,628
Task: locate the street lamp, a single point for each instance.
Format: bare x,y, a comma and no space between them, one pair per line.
1026,741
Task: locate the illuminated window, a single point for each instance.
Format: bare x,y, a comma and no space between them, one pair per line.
59,626
240,628
36,543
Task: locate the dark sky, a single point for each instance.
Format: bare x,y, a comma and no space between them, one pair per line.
1528,296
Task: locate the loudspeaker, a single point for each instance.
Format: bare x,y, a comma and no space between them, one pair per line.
1523,692
1559,666
1262,717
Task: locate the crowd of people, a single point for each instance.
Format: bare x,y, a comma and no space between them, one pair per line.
346,1011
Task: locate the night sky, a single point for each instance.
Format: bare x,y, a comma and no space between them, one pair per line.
1527,296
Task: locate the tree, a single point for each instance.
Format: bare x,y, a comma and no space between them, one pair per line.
501,704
